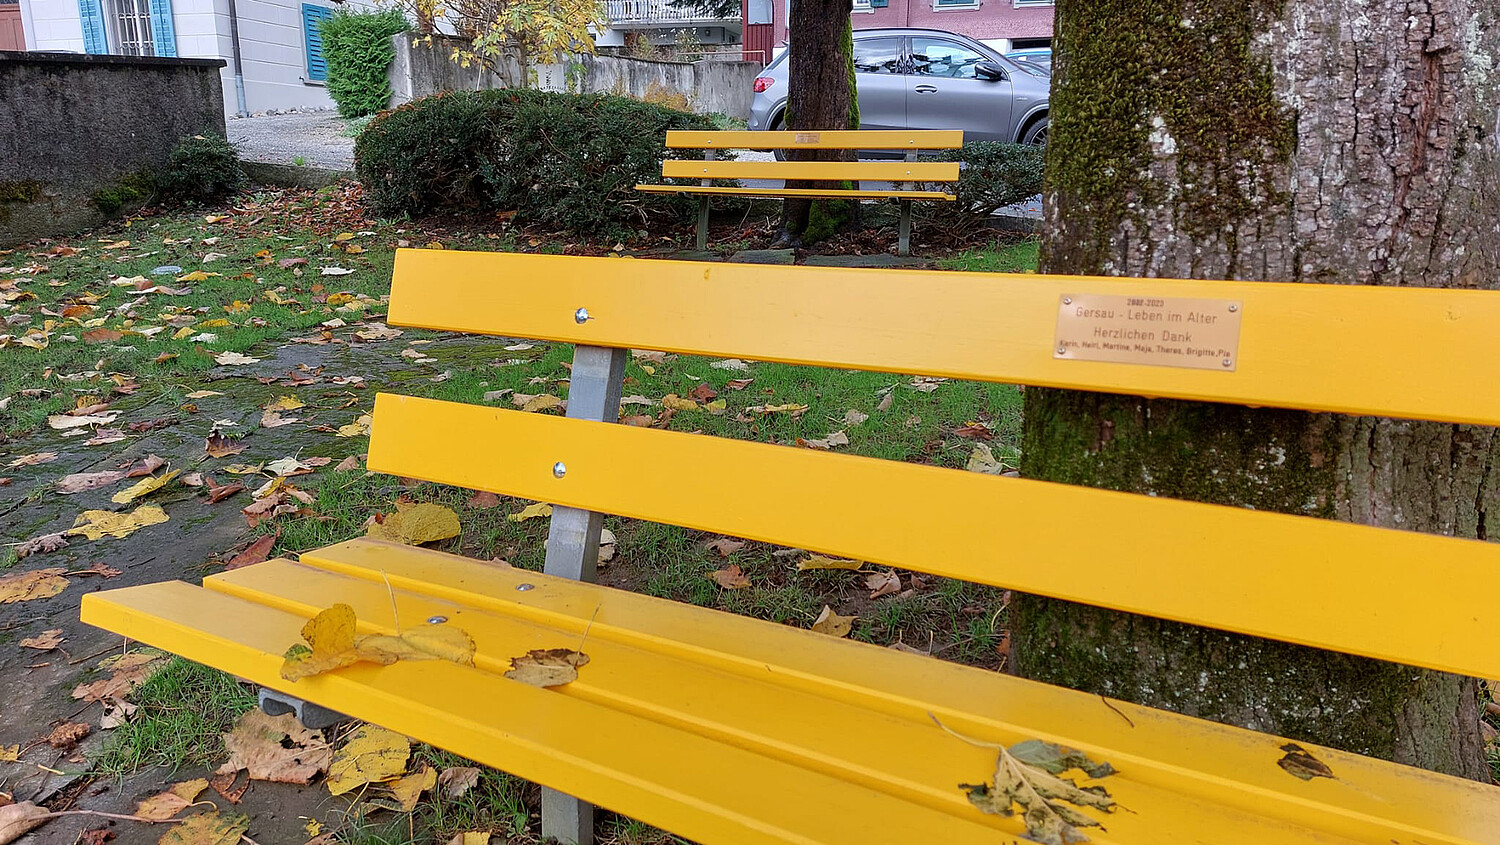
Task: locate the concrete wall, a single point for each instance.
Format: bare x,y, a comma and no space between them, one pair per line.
710,86
72,124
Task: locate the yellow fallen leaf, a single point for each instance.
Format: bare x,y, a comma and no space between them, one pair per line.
372,755
982,460
196,276
330,644
676,403
313,827
10,753
36,584
215,828
286,403
832,624
541,403
408,790
243,469
821,562
344,236
531,512
340,298
470,837
215,323
143,487
425,642
165,805
96,524
184,332
416,524
203,394
359,428
717,407
547,667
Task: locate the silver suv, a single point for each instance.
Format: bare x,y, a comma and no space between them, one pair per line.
928,79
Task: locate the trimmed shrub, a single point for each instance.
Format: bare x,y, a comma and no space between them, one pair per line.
993,175
357,47
570,161
201,168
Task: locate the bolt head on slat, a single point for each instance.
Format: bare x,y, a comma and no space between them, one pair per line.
559,469
436,620
525,587
581,316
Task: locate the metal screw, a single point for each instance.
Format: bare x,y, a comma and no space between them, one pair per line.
1233,308
581,316
1062,350
1067,300
525,587
436,620
559,469
1228,362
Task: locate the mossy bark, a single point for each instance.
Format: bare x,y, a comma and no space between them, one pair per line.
820,79
1332,141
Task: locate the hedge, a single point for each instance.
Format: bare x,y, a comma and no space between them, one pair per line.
993,175
357,48
570,161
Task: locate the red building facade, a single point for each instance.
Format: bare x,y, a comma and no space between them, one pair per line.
1004,24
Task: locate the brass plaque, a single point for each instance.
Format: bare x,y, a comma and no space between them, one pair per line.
808,137
1202,334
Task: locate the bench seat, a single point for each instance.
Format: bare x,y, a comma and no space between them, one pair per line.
814,193
726,729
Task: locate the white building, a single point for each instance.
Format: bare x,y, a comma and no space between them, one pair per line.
274,43
660,22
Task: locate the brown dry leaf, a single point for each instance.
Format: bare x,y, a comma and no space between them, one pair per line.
127,671
531,512
45,641
832,624
223,783
219,446
274,419
703,393
218,493
348,464
256,552
882,584
982,460
275,748
1302,765
457,780
838,438
149,464
33,459
96,524
29,586
409,788
607,545
372,755
726,546
483,500
213,828
20,818
547,667
144,487
44,543
102,336
730,577
885,402
165,805
65,421
674,402
67,735
821,562
78,482
854,417
416,524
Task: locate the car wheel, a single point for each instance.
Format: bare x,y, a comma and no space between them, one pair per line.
1035,134
778,126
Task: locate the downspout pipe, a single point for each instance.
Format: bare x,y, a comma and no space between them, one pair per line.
242,110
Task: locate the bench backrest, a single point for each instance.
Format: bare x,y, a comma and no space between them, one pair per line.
909,142
1380,351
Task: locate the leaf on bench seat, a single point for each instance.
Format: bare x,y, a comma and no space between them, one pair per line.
547,667
1026,776
331,644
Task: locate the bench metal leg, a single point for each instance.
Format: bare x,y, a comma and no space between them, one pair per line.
310,715
903,245
703,223
573,545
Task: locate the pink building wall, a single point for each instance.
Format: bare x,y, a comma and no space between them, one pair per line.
988,20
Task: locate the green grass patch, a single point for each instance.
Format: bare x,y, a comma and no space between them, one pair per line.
997,257
182,713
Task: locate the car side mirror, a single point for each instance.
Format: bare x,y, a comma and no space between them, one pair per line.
989,71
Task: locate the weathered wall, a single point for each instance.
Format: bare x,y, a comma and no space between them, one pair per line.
71,125
420,70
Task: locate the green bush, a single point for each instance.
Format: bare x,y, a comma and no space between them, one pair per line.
565,160
993,176
357,47
201,168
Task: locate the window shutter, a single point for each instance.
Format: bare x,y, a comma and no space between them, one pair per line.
92,18
163,34
317,68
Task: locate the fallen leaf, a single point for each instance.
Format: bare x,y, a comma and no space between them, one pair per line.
547,667
116,713
1044,798
854,417
234,359
821,562
196,276
726,546
274,748
33,459
126,672
733,364
408,789
335,271
359,428
78,482
531,512
482,499
19,818
65,736
95,836
348,464
676,403
607,545
882,584
213,828
372,755
885,402
838,438
982,460
703,393
791,409
416,524
218,493
45,641
330,644
44,543
165,805
66,421
256,552
832,624
33,585
1300,764
203,394
470,837
730,577
149,464
144,487
537,403
96,524
457,780
219,446
102,336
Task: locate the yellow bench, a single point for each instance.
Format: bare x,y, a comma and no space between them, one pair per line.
908,142
726,729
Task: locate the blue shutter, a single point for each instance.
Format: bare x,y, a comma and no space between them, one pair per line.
163,34
879,4
317,68
92,18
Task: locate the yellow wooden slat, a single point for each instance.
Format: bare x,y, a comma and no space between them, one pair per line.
1398,352
795,192
1221,567
859,139
724,728
869,171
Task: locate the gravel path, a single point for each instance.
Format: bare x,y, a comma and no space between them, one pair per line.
316,137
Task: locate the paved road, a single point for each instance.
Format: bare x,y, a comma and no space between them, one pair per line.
317,138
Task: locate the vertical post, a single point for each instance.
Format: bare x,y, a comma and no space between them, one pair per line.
708,155
903,244
573,547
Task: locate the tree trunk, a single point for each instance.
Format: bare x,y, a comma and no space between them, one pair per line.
822,97
1329,141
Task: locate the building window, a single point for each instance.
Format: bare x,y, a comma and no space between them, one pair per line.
940,5
128,23
1021,4
312,16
